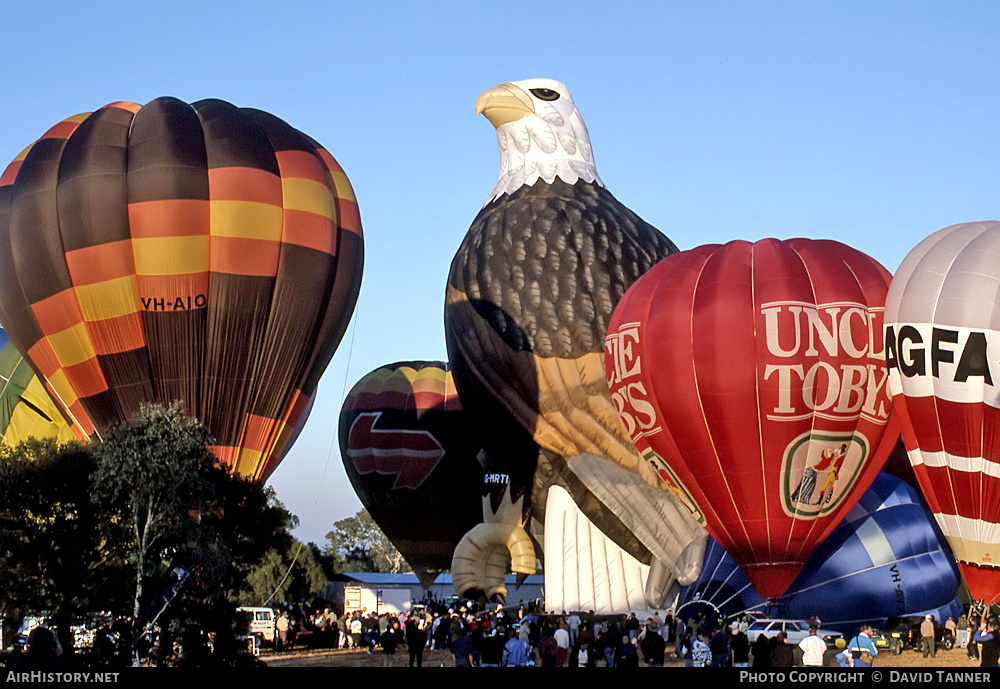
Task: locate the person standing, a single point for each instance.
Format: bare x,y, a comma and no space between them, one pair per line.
653,646
740,646
701,654
972,649
927,637
562,639
626,654
388,641
493,644
282,626
988,636
718,642
416,639
782,653
357,631
862,649
515,651
573,623
461,647
963,631
813,649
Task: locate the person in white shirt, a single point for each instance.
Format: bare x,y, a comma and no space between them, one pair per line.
813,649
562,641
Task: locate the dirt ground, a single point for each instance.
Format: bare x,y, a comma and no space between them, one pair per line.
346,658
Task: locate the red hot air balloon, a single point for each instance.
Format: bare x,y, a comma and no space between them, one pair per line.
202,253
942,352
753,377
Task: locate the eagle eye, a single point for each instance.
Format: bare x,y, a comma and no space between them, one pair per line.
545,94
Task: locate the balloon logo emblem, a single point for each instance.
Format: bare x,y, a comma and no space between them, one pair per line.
816,480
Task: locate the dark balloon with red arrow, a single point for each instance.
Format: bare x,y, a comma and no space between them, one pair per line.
411,456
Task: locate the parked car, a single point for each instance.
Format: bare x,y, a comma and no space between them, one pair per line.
795,631
902,633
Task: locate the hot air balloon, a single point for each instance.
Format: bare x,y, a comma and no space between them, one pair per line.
530,292
752,376
26,409
942,350
886,559
202,253
410,454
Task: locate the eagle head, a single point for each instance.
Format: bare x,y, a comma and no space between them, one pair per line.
540,133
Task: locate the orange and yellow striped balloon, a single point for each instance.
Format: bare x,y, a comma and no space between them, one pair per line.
195,252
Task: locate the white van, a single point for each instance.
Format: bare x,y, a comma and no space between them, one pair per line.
261,623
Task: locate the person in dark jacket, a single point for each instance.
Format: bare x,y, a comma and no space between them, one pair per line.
719,645
761,651
626,654
416,639
782,654
653,646
389,640
988,636
740,646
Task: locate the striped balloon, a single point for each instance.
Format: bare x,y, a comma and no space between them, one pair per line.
942,348
201,253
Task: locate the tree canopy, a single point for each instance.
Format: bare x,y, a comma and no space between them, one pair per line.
60,551
358,544
150,498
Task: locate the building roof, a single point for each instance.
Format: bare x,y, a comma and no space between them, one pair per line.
409,579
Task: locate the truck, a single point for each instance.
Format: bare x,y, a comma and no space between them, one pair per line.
381,600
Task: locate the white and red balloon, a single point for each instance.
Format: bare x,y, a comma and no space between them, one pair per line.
942,347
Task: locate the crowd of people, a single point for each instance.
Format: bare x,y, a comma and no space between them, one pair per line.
518,637
523,637
527,637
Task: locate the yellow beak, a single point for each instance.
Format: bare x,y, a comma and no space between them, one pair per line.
504,104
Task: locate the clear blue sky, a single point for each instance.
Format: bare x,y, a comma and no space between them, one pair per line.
872,123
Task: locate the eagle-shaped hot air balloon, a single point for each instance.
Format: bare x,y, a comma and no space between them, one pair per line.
530,293
202,253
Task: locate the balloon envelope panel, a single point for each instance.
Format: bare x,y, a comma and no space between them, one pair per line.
411,455
202,253
886,559
26,409
752,376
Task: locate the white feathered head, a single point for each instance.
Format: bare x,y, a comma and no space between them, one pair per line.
540,133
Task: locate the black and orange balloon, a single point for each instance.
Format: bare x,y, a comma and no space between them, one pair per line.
410,452
195,252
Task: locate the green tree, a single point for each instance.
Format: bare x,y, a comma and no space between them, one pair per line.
290,573
58,548
195,531
155,468
357,543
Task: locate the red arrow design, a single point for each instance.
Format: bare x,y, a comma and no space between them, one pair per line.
411,455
